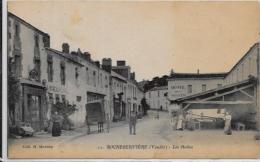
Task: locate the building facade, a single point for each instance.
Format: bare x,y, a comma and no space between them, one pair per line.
185,84
48,76
26,52
157,98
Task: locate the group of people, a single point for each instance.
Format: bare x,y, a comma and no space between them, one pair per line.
132,123
178,119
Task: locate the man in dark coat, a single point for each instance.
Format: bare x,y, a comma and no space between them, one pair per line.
132,122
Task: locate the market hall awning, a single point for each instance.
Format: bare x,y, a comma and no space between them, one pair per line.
241,93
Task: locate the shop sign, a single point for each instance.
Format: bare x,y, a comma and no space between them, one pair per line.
56,89
178,91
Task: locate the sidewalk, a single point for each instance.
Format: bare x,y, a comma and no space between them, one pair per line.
81,131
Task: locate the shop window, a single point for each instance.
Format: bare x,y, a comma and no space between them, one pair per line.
189,88
50,68
78,98
204,87
57,98
63,98
50,97
34,106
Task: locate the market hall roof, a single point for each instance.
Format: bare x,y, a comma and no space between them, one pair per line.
215,93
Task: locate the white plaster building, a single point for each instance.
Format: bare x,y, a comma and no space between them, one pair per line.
157,98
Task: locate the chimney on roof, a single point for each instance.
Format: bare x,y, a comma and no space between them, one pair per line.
97,63
87,55
132,76
79,51
74,53
120,63
65,48
107,64
198,71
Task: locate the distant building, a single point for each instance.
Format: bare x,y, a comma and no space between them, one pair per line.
157,98
185,84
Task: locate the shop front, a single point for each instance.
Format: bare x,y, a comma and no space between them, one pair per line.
34,104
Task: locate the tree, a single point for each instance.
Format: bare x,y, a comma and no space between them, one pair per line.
65,110
13,95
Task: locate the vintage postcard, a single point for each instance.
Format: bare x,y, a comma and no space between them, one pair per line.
133,79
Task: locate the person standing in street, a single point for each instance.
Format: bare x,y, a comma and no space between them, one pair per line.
227,128
132,122
56,128
180,121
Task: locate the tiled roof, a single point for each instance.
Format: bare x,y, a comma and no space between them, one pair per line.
65,55
196,75
159,88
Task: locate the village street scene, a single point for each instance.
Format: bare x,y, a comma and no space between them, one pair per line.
64,103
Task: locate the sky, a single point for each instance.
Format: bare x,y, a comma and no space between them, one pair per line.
153,37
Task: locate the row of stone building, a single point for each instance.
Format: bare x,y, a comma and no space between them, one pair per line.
47,76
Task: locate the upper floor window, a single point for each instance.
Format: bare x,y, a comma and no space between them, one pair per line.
50,68
237,75
16,29
76,73
36,40
204,87
189,88
158,93
62,73
101,80
219,85
94,78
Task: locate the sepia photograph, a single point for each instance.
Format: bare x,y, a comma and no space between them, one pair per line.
133,79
